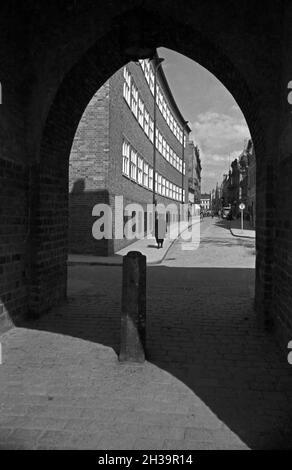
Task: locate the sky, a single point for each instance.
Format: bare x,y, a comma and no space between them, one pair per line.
218,125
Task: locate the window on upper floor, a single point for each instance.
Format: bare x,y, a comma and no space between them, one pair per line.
140,171
146,122
133,165
126,158
147,70
150,179
164,148
146,174
134,100
159,189
151,80
141,113
127,86
151,129
163,186
160,143
167,188
167,152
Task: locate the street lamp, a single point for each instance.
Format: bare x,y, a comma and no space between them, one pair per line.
156,61
183,162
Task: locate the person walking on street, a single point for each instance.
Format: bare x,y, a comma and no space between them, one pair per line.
160,229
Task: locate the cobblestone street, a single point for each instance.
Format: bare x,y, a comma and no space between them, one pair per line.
213,379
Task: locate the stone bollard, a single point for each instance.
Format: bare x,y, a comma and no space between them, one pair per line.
133,320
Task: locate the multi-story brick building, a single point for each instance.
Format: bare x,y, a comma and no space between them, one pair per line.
113,152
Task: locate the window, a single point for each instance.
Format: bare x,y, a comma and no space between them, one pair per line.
151,80
142,63
141,113
146,122
150,180
160,143
167,115
171,190
167,152
147,70
140,170
156,138
159,190
146,174
127,86
184,168
164,109
163,186
160,101
157,94
133,165
126,158
156,182
170,156
184,196
180,165
167,188
164,148
151,129
134,101
171,122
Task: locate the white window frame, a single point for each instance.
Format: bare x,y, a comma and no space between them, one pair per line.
167,188
140,171
167,152
127,86
141,112
151,129
126,158
146,122
151,80
134,99
163,186
134,157
159,189
150,179
164,148
160,138
145,174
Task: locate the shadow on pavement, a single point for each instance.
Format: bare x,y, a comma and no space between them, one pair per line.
203,331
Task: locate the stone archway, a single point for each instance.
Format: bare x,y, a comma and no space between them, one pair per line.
48,273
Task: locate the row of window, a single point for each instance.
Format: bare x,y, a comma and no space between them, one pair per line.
136,104
169,154
136,168
161,101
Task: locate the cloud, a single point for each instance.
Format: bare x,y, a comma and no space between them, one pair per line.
218,131
221,138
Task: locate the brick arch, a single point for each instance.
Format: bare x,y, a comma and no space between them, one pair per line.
48,259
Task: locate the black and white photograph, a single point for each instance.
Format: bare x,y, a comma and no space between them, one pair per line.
146,229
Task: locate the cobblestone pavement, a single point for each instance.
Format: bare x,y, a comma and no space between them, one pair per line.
213,379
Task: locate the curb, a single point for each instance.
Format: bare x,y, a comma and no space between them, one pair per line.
241,236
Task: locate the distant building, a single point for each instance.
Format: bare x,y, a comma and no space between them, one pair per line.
194,173
206,201
239,185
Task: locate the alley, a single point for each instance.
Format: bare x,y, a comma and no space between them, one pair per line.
213,379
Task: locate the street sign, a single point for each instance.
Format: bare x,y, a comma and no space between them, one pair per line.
241,206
